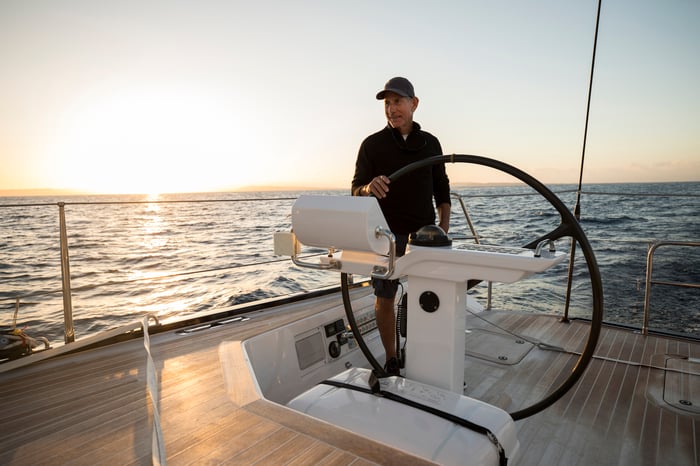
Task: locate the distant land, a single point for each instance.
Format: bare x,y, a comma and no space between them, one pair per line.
246,189
72,192
253,188
268,188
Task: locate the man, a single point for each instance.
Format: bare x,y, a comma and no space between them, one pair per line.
407,204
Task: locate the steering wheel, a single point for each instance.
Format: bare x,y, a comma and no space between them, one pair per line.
568,227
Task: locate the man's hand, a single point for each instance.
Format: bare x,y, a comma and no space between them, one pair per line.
379,187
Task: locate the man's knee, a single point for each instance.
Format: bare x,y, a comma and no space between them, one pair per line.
385,288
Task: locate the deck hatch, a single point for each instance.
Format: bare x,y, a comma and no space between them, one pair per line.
501,348
682,384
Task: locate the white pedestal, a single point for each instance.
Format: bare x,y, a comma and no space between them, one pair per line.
435,340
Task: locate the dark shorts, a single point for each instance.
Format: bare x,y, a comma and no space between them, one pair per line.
387,288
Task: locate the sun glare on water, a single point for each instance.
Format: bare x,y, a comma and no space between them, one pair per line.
147,141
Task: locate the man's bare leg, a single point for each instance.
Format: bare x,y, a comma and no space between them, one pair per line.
386,323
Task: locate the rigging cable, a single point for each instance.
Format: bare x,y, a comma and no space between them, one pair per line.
577,208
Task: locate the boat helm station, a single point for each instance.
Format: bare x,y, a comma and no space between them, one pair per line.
355,233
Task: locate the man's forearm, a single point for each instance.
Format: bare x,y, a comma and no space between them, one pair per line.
444,216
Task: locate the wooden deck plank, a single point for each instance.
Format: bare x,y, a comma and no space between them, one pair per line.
69,432
314,455
183,444
255,452
341,458
55,384
177,415
289,450
609,381
688,440
573,433
202,440
360,462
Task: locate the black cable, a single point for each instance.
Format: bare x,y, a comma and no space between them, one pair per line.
577,207
378,369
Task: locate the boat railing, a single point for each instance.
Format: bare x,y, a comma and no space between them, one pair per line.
649,281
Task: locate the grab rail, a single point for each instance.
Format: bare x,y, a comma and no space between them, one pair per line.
476,238
649,281
467,217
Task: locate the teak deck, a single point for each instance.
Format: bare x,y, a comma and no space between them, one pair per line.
92,407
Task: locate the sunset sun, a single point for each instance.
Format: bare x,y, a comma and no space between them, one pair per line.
146,141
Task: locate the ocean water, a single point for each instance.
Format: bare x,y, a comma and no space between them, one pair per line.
178,255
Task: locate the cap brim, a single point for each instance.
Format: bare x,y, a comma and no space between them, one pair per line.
382,94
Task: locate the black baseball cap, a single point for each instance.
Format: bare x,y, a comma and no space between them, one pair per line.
398,85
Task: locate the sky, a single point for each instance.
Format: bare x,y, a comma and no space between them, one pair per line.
211,95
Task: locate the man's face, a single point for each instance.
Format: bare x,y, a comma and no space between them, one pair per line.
399,111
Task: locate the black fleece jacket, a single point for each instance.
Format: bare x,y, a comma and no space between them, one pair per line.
409,202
